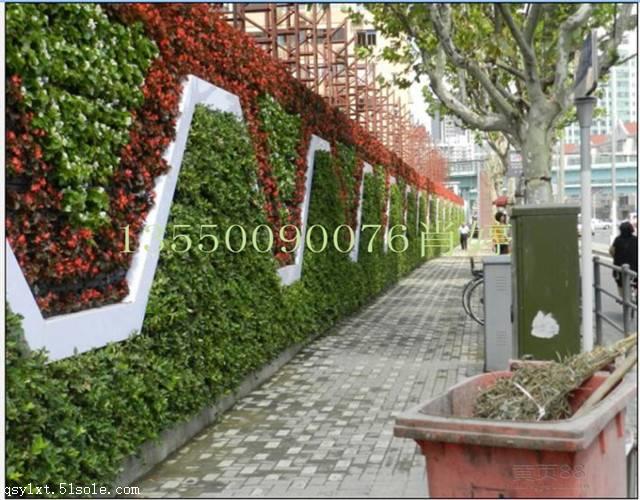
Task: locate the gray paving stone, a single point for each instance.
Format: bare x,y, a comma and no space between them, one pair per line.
323,425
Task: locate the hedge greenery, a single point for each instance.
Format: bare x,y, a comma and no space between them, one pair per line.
283,136
412,255
81,76
335,282
211,318
346,166
377,263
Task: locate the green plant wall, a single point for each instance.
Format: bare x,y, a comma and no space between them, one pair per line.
212,317
283,136
80,85
373,206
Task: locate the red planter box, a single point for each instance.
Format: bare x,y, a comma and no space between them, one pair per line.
472,457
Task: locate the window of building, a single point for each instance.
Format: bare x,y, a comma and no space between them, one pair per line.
366,38
339,35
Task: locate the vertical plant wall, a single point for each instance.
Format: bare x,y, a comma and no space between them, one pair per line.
91,111
371,252
74,90
213,316
91,108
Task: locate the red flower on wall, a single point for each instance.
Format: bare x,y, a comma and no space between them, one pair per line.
70,269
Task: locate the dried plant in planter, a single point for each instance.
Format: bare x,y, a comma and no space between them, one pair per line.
541,392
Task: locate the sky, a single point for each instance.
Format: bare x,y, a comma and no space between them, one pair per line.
419,107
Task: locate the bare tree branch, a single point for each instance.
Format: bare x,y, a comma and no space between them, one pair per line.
442,26
487,121
501,148
625,21
573,22
533,18
528,54
497,20
513,71
462,83
627,58
509,96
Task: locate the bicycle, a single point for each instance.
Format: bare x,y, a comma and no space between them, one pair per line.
473,295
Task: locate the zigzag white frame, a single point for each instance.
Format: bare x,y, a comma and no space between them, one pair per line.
69,334
292,273
418,198
366,169
407,190
385,243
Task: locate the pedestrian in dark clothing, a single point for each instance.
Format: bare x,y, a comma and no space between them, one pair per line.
624,251
464,235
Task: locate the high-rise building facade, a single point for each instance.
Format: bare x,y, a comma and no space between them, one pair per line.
456,142
625,94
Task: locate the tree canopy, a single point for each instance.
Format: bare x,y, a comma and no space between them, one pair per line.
502,68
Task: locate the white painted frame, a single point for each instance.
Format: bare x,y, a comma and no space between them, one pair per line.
407,190
292,273
68,334
366,169
418,198
392,181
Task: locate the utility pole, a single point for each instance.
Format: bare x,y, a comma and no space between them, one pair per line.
586,83
561,172
614,150
585,115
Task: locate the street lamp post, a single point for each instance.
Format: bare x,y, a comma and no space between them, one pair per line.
586,83
585,107
561,172
614,149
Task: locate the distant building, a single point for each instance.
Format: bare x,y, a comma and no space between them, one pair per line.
601,171
367,36
464,174
625,93
456,143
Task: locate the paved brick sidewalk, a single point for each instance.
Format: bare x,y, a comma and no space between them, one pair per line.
323,425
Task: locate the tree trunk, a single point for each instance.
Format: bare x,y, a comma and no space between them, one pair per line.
536,160
512,188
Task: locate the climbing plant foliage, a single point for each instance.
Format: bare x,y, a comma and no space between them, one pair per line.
80,77
212,318
282,130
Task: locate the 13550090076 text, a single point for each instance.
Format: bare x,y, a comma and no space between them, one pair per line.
262,238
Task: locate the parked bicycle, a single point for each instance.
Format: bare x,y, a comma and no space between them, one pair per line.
473,295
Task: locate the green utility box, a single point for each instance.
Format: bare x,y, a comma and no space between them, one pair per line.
545,280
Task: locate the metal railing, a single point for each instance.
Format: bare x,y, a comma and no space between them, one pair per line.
628,300
441,240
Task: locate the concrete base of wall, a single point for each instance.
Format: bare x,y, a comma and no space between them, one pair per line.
153,452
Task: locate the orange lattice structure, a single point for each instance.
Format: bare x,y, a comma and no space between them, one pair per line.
320,51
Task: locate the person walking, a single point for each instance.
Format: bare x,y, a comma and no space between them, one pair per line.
499,234
624,250
464,235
